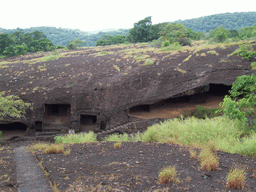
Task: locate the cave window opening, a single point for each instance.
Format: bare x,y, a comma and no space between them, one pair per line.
87,122
57,113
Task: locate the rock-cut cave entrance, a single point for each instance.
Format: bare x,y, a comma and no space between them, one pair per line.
174,107
12,129
57,114
87,122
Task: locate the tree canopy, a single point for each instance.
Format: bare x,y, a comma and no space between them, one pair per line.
12,106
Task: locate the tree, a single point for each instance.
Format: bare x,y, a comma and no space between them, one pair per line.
12,106
79,42
176,32
21,49
219,34
141,31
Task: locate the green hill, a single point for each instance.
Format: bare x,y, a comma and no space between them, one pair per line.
62,36
228,20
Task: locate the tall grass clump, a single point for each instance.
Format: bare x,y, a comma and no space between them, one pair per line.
168,175
123,137
76,138
236,178
196,132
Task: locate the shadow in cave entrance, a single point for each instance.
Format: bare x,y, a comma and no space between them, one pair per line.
12,129
174,107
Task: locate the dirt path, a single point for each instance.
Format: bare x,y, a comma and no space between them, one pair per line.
30,177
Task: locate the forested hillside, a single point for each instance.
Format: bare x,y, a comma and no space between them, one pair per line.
228,20
61,36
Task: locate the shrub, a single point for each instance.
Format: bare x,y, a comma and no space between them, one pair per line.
165,43
173,46
60,47
76,138
168,175
245,51
185,41
242,100
158,42
236,178
72,45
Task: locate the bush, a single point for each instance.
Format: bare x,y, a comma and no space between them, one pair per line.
71,45
158,42
165,43
242,100
60,47
245,51
185,41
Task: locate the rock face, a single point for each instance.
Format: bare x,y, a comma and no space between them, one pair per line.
95,88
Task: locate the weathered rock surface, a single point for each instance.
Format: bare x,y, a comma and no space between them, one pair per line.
94,88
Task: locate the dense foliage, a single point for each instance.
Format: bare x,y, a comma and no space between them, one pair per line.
228,20
12,106
20,43
241,103
111,40
61,36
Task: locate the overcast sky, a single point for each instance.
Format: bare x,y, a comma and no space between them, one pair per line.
91,15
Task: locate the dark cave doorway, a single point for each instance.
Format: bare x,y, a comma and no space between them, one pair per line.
174,107
57,114
10,130
87,122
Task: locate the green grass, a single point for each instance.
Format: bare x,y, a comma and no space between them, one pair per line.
53,56
224,132
124,137
76,138
174,46
220,132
